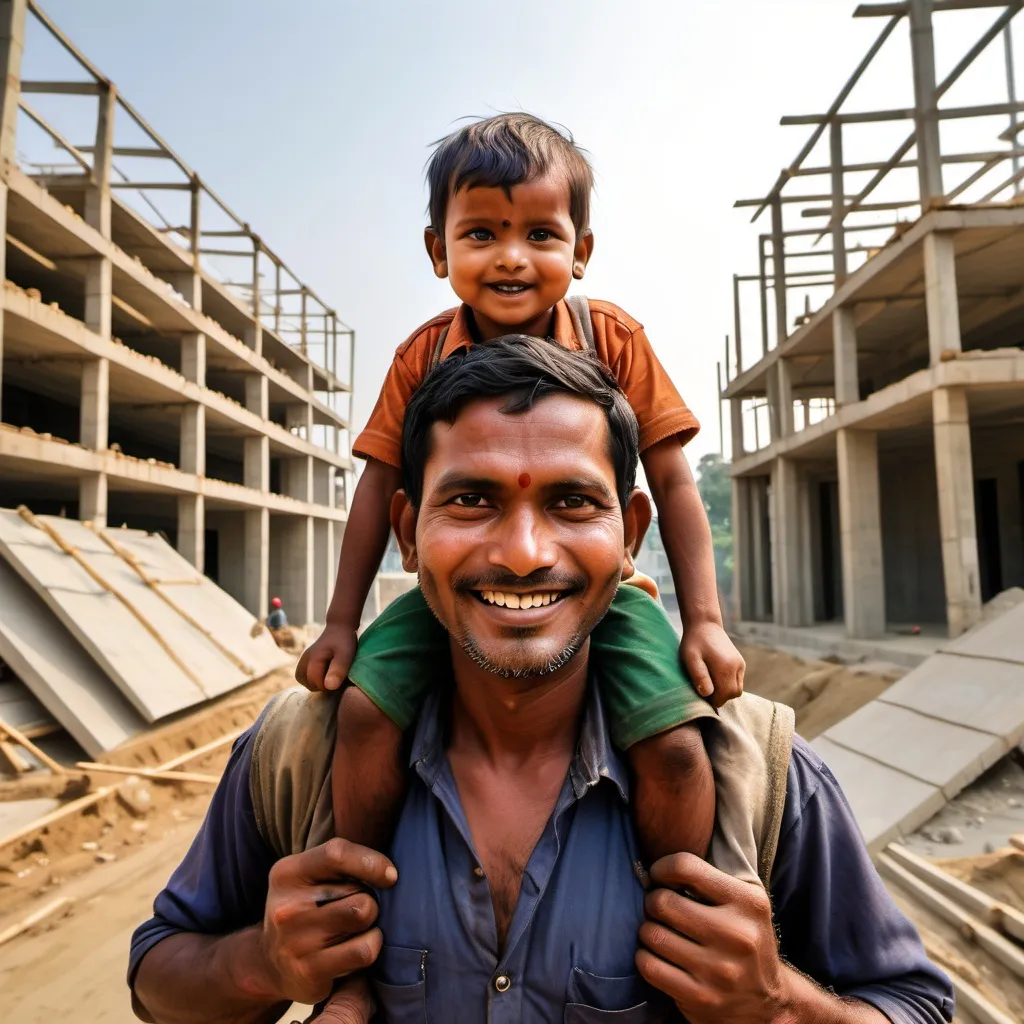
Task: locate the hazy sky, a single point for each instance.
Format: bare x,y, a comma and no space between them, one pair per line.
313,120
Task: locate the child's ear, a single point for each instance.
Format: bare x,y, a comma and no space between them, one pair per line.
403,522
636,519
581,255
435,250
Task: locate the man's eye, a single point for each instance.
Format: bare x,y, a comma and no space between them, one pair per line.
479,235
574,501
541,235
469,500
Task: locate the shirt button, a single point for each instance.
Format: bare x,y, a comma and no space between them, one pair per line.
502,982
479,872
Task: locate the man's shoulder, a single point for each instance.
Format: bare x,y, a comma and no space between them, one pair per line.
427,333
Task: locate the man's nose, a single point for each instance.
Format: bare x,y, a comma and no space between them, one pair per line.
511,257
524,543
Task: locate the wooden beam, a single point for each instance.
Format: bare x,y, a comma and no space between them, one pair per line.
147,773
66,88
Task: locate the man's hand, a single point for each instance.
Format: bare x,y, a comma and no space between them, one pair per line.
317,924
714,664
717,959
325,664
352,1003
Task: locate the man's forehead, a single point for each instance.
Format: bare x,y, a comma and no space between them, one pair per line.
559,434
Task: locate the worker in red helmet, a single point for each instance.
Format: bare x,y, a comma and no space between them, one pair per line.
277,618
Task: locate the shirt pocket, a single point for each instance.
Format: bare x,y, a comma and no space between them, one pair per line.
400,983
594,998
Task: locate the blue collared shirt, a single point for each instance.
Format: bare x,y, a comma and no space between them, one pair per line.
569,950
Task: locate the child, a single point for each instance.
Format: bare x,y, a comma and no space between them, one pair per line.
509,212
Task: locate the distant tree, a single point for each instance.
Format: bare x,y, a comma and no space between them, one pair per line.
716,490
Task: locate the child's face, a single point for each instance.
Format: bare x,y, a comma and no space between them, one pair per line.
511,259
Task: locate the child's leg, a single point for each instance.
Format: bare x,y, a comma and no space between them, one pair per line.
654,711
674,793
400,656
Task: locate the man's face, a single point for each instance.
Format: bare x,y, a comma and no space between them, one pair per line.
519,539
512,256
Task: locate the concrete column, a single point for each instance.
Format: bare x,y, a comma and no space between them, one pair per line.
926,120
257,562
12,43
860,529
92,499
736,428
789,542
324,566
298,569
844,348
955,476
740,548
760,555
257,394
192,529
784,391
193,358
299,418
297,478
192,443
256,464
94,411
772,396
940,295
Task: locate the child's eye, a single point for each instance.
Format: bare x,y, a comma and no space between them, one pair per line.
541,235
480,235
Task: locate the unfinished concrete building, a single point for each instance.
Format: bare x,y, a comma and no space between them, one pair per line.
162,367
877,441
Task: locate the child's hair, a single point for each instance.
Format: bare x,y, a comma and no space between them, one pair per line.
506,150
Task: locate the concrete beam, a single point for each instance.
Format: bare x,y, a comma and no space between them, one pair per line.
860,529
955,474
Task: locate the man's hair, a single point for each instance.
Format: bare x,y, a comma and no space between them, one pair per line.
506,150
524,370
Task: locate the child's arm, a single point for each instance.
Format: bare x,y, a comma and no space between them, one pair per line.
709,655
325,665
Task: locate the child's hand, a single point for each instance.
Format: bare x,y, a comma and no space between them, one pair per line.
325,664
714,664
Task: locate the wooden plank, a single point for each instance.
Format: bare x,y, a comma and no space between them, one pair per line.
34,918
991,911
148,773
1007,953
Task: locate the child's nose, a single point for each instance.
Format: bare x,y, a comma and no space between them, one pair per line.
510,257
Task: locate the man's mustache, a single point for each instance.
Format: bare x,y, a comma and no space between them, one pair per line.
539,579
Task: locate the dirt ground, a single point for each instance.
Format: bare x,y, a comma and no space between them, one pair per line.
821,692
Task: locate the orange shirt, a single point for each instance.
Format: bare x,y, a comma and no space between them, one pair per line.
620,344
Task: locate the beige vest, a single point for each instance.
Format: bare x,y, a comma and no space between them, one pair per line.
749,744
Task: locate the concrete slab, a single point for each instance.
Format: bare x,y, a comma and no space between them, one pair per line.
19,708
59,673
1001,637
886,802
163,661
16,813
978,693
936,752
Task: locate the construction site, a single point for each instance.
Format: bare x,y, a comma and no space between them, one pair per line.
175,450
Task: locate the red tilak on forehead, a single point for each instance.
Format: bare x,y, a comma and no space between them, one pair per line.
524,480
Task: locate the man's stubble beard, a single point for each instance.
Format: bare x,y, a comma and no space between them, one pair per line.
475,653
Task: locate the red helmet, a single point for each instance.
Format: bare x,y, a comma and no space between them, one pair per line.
276,602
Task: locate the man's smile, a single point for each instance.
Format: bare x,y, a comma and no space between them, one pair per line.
510,599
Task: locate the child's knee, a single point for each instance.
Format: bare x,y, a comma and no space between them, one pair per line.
360,721
674,755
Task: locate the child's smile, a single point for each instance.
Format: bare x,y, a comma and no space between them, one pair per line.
511,256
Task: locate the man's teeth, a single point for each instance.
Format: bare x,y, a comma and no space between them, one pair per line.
503,600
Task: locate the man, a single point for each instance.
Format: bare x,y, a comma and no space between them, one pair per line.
518,894
277,618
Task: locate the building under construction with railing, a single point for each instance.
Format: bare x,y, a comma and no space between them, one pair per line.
162,366
878,439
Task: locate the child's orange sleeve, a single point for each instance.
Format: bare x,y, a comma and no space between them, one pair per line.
659,408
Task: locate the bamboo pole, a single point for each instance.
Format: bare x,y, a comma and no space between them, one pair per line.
23,741
147,773
35,917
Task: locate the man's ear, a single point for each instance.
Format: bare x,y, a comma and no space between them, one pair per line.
403,522
636,520
581,256
435,250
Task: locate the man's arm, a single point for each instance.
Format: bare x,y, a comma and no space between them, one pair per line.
710,657
316,928
719,959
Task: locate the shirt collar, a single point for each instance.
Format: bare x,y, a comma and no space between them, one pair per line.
595,758
462,334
